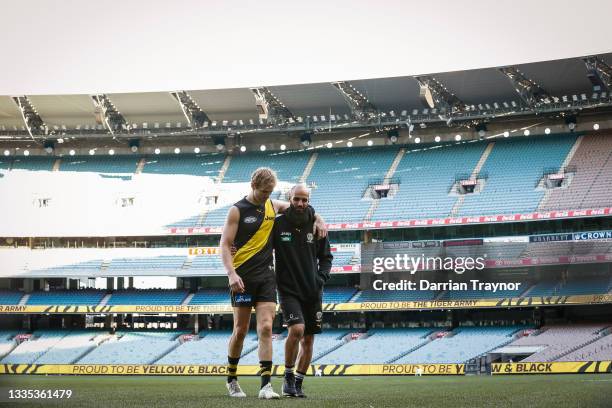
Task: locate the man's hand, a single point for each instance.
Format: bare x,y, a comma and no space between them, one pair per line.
320,229
235,283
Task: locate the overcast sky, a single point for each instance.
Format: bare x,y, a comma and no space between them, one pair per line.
64,46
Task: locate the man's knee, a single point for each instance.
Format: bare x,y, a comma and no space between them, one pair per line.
240,332
264,328
296,331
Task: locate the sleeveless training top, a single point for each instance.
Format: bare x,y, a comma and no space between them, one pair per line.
253,258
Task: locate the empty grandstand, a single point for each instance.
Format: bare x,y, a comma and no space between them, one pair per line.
506,186
109,239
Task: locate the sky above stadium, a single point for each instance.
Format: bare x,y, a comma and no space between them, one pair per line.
71,46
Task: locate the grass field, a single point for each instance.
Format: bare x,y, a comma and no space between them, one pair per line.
479,391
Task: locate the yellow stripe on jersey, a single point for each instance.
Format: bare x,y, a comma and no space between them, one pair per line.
257,241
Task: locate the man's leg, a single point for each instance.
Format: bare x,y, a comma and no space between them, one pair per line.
242,317
296,332
265,312
292,343
303,361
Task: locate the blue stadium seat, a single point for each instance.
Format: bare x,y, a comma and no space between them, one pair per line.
426,177
210,297
66,297
147,297
337,294
461,345
188,164
514,168
341,178
9,297
121,164
33,163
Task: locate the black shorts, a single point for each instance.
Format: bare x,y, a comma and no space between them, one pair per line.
255,291
307,312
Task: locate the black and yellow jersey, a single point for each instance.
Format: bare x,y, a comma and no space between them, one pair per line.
253,258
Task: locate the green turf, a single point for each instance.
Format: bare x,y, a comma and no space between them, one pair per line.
473,391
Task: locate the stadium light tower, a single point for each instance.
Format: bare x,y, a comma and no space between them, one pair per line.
31,119
599,73
108,115
361,108
270,108
433,94
528,90
195,116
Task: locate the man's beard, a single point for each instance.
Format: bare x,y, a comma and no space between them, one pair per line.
299,218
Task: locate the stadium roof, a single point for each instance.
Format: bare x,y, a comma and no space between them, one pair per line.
479,86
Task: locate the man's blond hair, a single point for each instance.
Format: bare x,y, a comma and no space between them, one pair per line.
263,177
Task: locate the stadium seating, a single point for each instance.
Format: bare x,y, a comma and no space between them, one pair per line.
288,166
589,185
377,346
188,164
86,266
67,297
5,164
132,348
100,164
557,341
6,341
551,249
29,351
426,177
210,297
72,347
209,348
585,286
514,169
579,286
599,350
33,163
483,294
578,342
324,343
211,263
370,295
461,345
147,297
341,178
171,263
337,294
10,297
544,288
186,222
